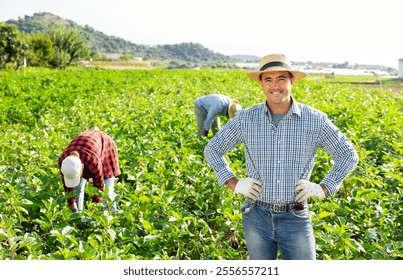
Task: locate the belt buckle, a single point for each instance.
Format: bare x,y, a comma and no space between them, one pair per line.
278,207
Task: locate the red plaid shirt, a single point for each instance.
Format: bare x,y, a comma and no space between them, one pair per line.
99,155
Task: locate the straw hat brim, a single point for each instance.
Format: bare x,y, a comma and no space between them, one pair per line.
255,75
233,108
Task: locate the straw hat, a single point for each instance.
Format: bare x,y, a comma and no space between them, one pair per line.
233,108
274,62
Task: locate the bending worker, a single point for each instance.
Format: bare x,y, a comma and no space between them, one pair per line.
208,109
91,156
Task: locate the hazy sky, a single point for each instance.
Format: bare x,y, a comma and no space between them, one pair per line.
357,31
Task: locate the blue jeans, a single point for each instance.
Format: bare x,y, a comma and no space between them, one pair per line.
109,183
267,232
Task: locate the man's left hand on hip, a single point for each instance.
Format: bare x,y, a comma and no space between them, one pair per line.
307,189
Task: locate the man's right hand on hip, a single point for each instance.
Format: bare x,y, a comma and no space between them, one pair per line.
249,187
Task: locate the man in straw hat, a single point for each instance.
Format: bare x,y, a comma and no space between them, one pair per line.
208,109
281,137
92,155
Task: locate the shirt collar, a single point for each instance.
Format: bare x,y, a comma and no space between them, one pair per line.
294,110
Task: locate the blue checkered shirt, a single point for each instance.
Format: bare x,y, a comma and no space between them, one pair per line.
280,156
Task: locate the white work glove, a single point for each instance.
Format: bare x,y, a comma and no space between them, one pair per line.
307,189
249,187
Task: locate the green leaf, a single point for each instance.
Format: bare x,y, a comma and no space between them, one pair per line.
322,215
67,230
146,224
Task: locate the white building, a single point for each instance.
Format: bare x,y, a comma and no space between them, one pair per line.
400,71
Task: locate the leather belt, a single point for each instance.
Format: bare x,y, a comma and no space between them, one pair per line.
278,207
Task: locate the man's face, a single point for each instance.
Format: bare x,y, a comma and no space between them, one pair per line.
277,87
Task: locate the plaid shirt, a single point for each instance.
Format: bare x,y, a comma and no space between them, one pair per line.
280,156
99,155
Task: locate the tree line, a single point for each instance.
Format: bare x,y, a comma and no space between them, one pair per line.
47,40
56,47
59,46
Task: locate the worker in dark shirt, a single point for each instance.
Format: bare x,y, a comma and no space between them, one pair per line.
91,156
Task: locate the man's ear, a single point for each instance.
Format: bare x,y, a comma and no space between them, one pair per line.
292,80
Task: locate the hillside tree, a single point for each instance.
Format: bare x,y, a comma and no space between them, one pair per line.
41,51
12,45
68,44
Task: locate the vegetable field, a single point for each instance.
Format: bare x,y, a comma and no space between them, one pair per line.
169,203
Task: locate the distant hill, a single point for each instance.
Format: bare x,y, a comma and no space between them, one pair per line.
102,43
246,58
